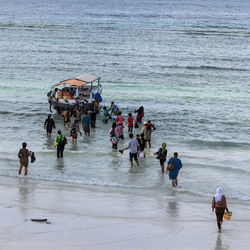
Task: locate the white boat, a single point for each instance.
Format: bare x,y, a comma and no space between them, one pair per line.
79,90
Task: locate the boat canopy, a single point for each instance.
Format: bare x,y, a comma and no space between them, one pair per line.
80,80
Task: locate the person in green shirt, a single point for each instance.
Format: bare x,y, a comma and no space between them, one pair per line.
59,143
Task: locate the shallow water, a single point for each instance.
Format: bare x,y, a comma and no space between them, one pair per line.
186,63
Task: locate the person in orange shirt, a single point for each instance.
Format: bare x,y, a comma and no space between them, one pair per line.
130,122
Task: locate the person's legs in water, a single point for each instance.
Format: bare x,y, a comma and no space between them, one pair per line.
20,169
131,159
174,182
61,151
162,168
130,129
25,171
57,151
162,165
136,159
137,162
149,143
219,215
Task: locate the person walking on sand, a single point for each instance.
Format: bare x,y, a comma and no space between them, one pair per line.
162,155
49,124
23,156
175,171
219,204
134,146
59,143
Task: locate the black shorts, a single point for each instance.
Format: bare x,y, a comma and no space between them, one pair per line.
132,155
162,161
138,119
49,129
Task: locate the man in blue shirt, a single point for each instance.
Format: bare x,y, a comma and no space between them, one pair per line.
175,171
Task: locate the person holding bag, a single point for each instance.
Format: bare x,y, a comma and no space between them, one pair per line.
219,204
162,156
174,165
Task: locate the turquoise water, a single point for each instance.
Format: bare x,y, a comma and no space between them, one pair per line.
186,62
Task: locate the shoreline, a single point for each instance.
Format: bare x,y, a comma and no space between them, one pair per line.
87,219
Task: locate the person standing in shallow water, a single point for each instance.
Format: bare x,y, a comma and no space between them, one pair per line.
114,137
162,155
75,129
59,143
130,122
140,114
177,166
23,155
49,124
86,120
219,204
133,145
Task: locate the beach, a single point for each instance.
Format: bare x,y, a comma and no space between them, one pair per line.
84,218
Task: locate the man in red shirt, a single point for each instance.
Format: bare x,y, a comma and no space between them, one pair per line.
130,121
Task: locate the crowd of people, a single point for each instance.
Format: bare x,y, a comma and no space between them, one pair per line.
86,116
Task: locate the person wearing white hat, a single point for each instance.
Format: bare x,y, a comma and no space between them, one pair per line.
219,204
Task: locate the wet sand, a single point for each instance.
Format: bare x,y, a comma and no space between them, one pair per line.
89,218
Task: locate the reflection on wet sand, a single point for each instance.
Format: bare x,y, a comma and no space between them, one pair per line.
24,194
173,208
218,244
60,164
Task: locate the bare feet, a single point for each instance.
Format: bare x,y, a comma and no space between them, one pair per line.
219,230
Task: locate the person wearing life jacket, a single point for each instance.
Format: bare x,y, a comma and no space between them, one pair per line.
59,143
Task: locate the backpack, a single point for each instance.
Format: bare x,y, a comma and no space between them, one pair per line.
65,141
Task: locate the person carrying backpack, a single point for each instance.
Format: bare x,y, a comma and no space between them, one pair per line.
59,143
162,155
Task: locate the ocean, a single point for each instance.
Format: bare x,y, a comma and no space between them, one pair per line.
186,62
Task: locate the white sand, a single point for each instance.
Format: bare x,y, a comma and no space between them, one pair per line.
84,218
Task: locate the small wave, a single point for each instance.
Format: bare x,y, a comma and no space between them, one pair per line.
219,144
34,26
204,67
222,168
215,68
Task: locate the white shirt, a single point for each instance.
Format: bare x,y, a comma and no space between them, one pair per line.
132,145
